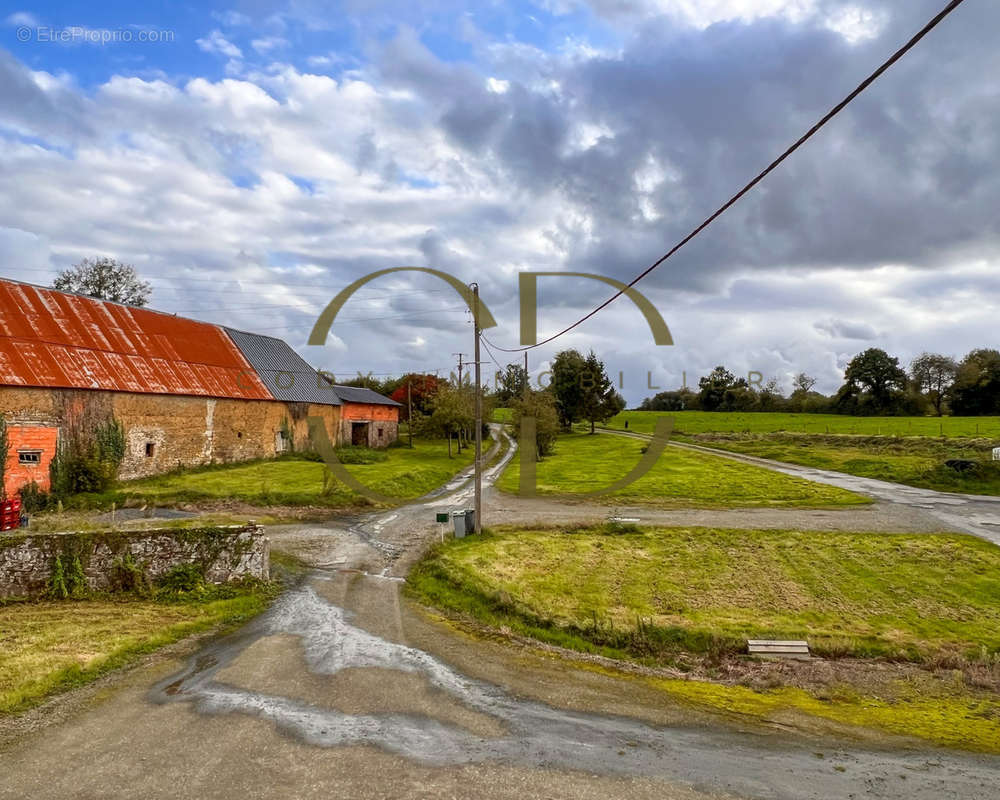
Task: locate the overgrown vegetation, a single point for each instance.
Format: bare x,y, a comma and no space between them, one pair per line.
679,479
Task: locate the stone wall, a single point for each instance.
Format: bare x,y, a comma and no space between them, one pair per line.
225,554
377,424
164,432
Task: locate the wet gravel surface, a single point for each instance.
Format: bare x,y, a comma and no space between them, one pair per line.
344,690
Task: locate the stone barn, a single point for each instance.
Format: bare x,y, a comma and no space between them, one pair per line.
367,418
182,390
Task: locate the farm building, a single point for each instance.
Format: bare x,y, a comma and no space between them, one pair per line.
185,392
366,417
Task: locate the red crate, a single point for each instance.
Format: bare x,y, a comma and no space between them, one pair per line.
14,504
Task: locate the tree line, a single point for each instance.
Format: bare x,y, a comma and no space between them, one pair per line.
579,391
874,385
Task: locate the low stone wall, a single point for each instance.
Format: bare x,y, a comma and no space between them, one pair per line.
224,554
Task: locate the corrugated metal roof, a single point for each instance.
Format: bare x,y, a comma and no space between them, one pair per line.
359,394
61,340
285,373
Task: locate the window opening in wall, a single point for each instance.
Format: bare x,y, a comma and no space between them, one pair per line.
380,433
29,457
239,434
150,449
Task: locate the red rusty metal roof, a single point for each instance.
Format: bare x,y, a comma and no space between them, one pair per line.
56,339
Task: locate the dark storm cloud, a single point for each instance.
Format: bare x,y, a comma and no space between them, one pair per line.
903,176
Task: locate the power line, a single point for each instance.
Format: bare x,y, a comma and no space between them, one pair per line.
490,354
736,197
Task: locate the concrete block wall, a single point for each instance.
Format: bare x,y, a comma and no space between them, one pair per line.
226,554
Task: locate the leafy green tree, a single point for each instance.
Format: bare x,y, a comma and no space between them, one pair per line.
106,279
511,383
568,370
542,406
976,389
720,390
674,400
933,374
874,383
600,402
451,413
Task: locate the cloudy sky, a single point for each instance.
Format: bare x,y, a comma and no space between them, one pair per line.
253,158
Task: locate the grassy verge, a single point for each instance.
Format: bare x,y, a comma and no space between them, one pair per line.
294,481
679,479
927,606
912,461
770,422
49,647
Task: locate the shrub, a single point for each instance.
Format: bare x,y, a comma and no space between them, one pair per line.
33,499
128,575
183,579
57,581
356,454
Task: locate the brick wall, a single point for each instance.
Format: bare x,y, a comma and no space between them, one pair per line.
382,423
226,554
33,439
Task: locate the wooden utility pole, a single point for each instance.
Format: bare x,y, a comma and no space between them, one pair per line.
479,413
527,383
459,367
409,412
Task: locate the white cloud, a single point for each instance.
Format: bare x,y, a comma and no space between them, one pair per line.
855,23
268,44
218,44
23,18
497,86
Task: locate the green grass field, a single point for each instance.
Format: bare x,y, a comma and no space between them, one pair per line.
50,647
908,596
679,479
690,422
689,597
912,461
405,474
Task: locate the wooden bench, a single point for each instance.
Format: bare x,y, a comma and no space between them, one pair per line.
776,648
